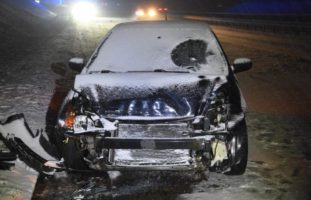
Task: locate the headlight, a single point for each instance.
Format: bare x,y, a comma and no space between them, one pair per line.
214,114
218,110
140,13
152,12
82,123
79,124
83,11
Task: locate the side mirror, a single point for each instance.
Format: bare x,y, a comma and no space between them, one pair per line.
76,64
241,64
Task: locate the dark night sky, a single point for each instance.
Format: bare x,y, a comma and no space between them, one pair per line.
227,6
237,6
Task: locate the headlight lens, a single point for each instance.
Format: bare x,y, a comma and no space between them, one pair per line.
82,123
79,123
152,12
83,11
140,13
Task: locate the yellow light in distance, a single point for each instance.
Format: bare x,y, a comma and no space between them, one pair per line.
152,12
140,13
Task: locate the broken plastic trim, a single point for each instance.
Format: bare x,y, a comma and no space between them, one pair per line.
31,148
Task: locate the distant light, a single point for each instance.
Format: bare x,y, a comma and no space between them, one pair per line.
140,13
37,1
152,12
162,9
83,11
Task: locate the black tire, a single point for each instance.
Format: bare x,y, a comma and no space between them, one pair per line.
71,152
240,160
73,157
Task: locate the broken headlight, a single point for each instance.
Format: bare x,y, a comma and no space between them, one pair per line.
213,113
77,116
77,122
87,123
84,123
218,111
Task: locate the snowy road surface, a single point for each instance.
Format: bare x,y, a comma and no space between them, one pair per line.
277,90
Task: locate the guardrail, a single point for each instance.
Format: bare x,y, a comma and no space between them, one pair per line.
293,24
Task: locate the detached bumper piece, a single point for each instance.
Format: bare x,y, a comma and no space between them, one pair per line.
31,148
7,156
154,143
35,150
7,160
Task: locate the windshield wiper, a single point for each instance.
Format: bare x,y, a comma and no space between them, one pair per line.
163,70
106,71
159,70
101,72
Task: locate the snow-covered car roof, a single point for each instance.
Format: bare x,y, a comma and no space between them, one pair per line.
166,45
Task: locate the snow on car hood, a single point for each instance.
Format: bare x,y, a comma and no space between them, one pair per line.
146,95
171,46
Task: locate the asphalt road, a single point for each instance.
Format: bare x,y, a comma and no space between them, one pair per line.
277,91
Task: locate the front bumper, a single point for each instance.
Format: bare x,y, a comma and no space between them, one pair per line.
34,149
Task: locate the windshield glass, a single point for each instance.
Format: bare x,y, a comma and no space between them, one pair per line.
166,46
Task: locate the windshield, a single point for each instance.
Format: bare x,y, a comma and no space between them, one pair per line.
164,46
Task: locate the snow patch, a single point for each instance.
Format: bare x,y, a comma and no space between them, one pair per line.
17,128
114,174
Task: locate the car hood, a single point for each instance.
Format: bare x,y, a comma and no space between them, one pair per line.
148,95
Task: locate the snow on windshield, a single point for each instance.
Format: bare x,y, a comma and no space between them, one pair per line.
170,46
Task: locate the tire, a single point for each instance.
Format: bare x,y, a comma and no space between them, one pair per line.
71,153
239,160
73,157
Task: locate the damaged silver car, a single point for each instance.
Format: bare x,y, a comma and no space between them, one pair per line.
153,96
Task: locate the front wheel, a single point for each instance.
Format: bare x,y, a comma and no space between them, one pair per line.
239,149
70,151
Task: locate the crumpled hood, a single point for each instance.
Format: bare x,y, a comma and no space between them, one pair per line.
156,94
